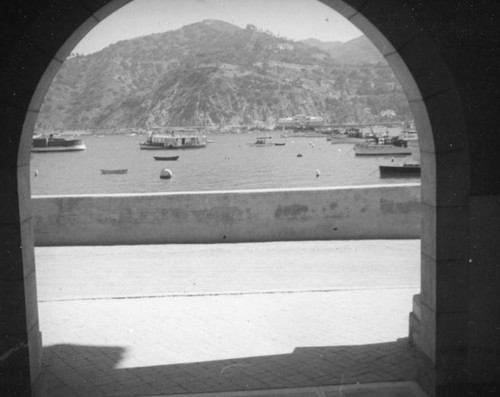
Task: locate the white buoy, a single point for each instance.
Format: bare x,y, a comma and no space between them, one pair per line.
36,172
317,173
165,174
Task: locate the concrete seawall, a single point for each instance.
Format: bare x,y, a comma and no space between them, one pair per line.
362,212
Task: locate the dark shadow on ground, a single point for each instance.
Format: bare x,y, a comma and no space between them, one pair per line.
92,370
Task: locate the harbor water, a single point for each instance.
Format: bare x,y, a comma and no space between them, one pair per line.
228,163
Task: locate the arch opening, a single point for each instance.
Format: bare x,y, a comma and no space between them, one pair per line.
419,103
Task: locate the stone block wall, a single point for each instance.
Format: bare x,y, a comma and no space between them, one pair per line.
373,212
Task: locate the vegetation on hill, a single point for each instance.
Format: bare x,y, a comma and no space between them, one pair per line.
214,73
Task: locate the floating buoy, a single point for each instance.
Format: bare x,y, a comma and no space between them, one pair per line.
165,174
299,155
317,173
36,172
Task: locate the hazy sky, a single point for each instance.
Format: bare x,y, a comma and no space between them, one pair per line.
294,19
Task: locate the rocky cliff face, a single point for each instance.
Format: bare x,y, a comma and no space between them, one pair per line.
214,73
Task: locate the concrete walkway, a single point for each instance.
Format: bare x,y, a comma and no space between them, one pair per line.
175,319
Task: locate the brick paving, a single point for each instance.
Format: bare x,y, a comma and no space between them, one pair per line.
119,341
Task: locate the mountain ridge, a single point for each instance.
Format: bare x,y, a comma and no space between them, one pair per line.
357,50
215,73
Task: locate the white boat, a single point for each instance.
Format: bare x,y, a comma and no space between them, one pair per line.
56,144
409,135
173,139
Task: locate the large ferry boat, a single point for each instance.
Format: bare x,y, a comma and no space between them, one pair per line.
383,146
173,139
56,144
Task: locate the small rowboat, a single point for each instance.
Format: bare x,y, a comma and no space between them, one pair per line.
118,171
166,158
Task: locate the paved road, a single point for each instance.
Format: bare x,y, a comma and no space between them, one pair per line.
218,337
164,270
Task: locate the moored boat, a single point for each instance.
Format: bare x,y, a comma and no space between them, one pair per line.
173,139
166,158
262,141
56,144
305,134
409,132
343,138
116,171
409,135
380,149
407,169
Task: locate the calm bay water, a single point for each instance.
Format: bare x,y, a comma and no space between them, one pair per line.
228,163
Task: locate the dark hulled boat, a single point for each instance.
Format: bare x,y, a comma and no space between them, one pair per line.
166,158
56,144
400,170
117,171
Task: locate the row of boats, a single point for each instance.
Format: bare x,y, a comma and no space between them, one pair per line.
384,145
378,146
404,145
154,141
185,139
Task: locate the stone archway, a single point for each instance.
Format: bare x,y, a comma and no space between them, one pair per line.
43,36
440,309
